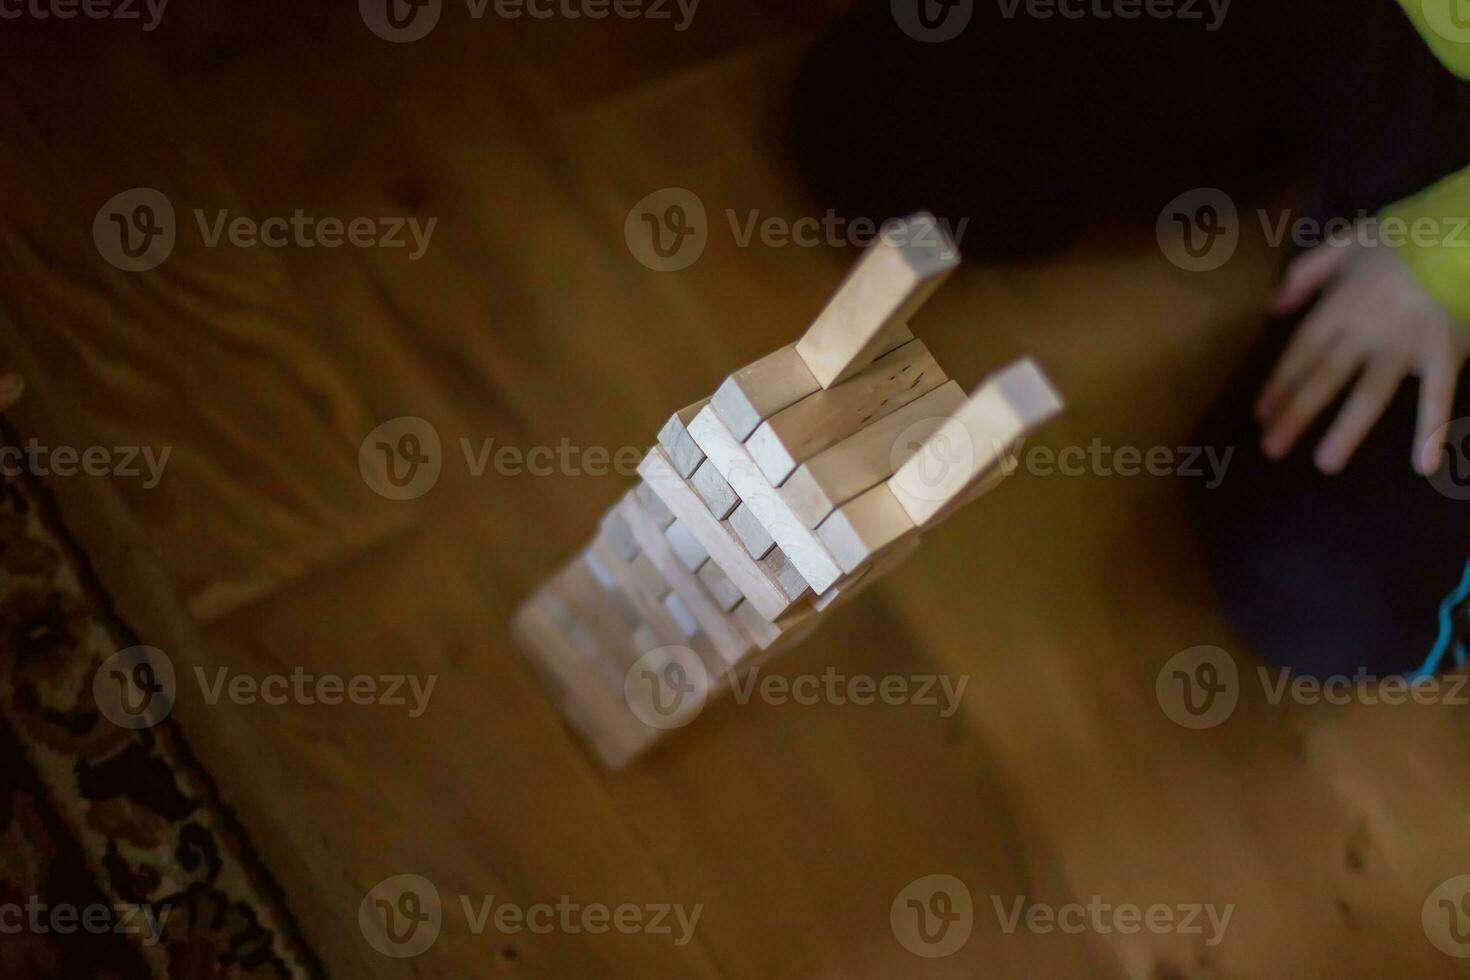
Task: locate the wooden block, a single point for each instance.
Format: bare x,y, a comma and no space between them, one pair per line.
780,565
790,437
973,441
768,633
600,716
758,586
595,607
867,316
800,542
724,592
674,437
751,532
714,490
681,614
866,458
650,609
729,638
860,529
647,577
661,515
686,546
869,574
617,533
760,390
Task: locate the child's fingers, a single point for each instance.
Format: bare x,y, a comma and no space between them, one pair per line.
1306,275
1307,345
11,387
1436,401
1310,397
1362,410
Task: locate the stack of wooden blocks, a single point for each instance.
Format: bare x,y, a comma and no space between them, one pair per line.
805,478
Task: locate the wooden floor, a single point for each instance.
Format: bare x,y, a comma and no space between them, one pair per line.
527,321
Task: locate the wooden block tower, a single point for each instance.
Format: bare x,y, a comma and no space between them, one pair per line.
805,478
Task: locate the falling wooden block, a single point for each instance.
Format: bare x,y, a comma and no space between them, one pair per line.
714,490
866,458
867,316
758,586
724,592
686,546
790,437
751,532
674,437
974,440
760,390
723,451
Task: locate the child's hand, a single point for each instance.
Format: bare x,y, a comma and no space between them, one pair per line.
11,387
1375,318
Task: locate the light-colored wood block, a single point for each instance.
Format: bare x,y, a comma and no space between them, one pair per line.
661,515
674,437
751,532
868,575
599,715
779,564
650,607
714,490
617,533
595,607
769,633
790,437
867,457
868,314
728,637
758,586
800,542
724,592
860,529
972,443
686,546
648,577
681,614
760,390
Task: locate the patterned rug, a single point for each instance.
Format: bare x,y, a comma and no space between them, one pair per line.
117,858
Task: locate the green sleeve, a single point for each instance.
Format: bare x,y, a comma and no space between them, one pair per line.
1433,238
